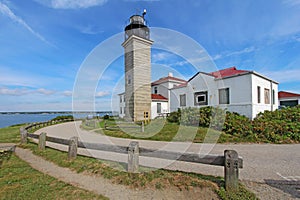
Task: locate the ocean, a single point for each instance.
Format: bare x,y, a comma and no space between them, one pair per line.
9,119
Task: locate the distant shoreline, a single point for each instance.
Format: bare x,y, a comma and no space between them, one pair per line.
56,112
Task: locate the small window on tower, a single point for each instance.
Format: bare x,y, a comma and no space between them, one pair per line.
129,79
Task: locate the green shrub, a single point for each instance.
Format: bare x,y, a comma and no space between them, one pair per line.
236,124
174,117
270,126
63,117
106,117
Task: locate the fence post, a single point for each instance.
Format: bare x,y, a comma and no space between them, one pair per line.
231,170
133,157
23,133
42,141
105,124
73,144
143,127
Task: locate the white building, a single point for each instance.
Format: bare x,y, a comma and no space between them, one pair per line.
288,98
245,92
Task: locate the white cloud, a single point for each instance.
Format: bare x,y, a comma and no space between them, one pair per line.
292,2
67,93
102,94
160,56
71,4
234,53
5,10
25,91
90,30
284,76
44,91
14,92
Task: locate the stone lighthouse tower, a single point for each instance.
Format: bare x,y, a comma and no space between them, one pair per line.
137,46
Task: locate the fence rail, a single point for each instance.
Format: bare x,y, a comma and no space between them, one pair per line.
230,160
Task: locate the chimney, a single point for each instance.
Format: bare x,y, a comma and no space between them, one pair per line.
170,74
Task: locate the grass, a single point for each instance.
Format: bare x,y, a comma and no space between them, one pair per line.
160,130
156,179
147,178
10,134
19,181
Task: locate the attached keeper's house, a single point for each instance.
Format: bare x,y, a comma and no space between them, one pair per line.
245,92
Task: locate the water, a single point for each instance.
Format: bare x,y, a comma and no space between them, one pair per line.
15,118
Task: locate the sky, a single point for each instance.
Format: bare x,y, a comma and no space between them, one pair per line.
46,45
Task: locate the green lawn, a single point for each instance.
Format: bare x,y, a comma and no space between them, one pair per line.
161,130
19,181
10,134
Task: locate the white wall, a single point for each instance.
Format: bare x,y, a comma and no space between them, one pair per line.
263,83
240,94
200,83
164,108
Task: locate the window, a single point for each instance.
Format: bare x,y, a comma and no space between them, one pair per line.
129,79
182,100
267,96
258,94
121,110
121,99
200,98
273,96
224,96
155,90
124,98
158,107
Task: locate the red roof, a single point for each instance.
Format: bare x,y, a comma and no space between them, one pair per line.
158,97
283,94
166,79
228,72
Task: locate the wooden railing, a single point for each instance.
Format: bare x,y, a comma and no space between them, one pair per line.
229,160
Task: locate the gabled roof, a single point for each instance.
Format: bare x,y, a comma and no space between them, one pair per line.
283,94
228,72
158,97
166,79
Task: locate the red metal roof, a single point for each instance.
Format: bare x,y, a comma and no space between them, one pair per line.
158,97
166,79
283,94
228,72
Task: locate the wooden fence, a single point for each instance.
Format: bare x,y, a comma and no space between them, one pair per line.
229,160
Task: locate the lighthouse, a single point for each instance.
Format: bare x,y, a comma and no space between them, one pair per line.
137,48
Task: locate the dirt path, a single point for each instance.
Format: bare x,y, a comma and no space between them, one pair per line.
102,186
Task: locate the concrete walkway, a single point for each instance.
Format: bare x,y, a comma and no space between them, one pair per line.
276,166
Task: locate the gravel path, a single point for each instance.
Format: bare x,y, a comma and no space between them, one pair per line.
272,167
102,186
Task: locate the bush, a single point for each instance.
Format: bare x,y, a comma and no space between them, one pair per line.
63,117
271,126
236,124
278,126
106,117
174,117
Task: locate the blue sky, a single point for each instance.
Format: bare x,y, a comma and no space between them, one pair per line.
45,42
